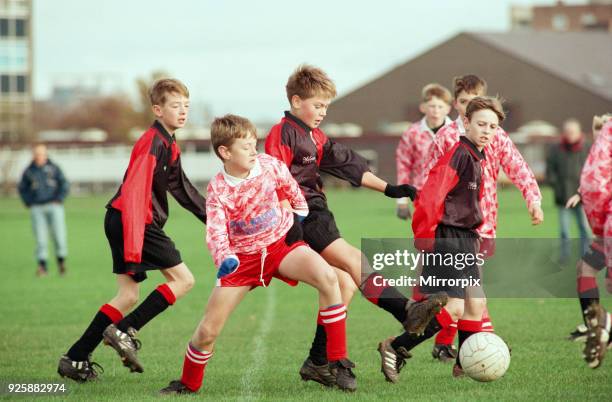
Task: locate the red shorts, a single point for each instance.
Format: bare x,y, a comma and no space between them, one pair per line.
258,269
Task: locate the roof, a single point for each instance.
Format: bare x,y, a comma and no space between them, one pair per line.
582,58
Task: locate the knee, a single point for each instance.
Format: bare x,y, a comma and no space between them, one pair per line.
205,337
455,310
477,306
129,297
184,283
346,283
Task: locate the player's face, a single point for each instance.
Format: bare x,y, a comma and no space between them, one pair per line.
311,111
462,101
242,155
572,132
481,129
435,111
173,113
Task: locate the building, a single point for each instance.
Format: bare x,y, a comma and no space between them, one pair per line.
15,69
593,16
546,76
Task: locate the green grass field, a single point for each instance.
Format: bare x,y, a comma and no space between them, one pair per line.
261,349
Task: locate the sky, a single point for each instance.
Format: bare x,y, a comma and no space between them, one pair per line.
236,56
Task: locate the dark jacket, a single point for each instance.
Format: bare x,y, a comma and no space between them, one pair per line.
307,152
43,184
563,167
154,169
451,196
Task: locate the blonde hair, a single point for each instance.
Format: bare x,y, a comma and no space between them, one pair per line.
225,130
436,90
308,81
485,102
165,86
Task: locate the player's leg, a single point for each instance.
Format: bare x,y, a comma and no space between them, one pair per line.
76,363
57,222
582,229
599,327
305,265
122,336
587,269
471,321
40,229
395,350
221,303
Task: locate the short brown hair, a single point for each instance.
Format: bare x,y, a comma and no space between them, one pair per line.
165,86
436,90
485,102
225,130
470,83
308,81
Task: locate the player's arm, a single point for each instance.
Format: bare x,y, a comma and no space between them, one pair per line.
278,145
136,203
184,192
520,174
217,237
291,192
24,189
429,206
63,185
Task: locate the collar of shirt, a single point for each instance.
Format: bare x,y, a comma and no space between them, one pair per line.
160,127
477,153
460,125
299,122
233,181
425,127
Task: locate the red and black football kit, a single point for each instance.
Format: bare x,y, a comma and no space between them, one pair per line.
447,214
307,152
137,213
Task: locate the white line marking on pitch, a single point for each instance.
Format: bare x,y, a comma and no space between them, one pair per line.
250,383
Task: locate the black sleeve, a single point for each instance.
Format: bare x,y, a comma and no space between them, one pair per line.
184,192
24,188
343,163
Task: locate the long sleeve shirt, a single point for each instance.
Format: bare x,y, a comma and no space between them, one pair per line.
245,215
501,153
451,195
307,152
154,169
596,188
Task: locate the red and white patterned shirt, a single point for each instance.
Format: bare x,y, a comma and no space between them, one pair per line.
411,154
245,215
501,152
596,188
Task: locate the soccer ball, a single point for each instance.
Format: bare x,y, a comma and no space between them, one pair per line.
484,357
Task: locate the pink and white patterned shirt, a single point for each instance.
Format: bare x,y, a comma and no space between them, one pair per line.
245,215
501,152
596,188
411,154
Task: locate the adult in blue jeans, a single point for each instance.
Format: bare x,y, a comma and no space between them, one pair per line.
563,167
43,188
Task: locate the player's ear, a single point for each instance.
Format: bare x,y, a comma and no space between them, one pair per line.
466,121
157,110
422,108
224,152
296,102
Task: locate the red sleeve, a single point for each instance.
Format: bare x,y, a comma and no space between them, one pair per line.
429,205
136,204
278,148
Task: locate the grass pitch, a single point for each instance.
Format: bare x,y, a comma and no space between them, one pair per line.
262,347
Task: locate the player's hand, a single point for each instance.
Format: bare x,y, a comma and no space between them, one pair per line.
537,215
401,191
403,212
229,265
573,201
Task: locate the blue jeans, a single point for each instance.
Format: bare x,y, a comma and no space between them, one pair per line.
564,222
45,218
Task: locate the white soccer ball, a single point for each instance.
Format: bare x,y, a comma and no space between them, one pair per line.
484,356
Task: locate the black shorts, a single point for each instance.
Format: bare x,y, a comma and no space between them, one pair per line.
448,269
319,227
595,256
158,250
